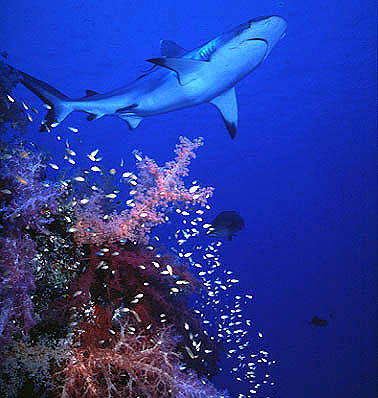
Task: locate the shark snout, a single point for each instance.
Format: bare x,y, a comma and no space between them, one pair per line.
276,28
279,25
272,29
274,22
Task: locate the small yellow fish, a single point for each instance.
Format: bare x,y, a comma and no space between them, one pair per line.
21,180
70,151
92,155
169,269
137,156
81,179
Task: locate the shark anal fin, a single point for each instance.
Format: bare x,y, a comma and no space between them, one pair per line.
227,105
169,48
186,69
91,117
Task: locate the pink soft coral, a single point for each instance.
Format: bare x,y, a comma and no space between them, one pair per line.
157,188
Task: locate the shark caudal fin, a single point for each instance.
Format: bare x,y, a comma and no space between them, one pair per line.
59,106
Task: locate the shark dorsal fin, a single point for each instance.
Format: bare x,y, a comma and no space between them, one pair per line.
89,93
169,48
228,108
186,69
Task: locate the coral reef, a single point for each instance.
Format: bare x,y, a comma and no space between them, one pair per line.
88,307
102,289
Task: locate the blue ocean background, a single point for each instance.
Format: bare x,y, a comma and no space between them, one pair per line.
301,170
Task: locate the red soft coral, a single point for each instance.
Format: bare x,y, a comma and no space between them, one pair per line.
139,365
130,279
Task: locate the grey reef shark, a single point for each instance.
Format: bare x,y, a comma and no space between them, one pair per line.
178,79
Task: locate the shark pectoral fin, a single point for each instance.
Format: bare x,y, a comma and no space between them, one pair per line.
186,69
132,120
169,48
228,108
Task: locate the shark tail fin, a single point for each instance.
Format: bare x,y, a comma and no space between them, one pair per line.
59,106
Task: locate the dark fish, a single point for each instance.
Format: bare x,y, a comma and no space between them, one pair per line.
316,321
226,224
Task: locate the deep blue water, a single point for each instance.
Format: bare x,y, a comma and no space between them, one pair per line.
301,170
